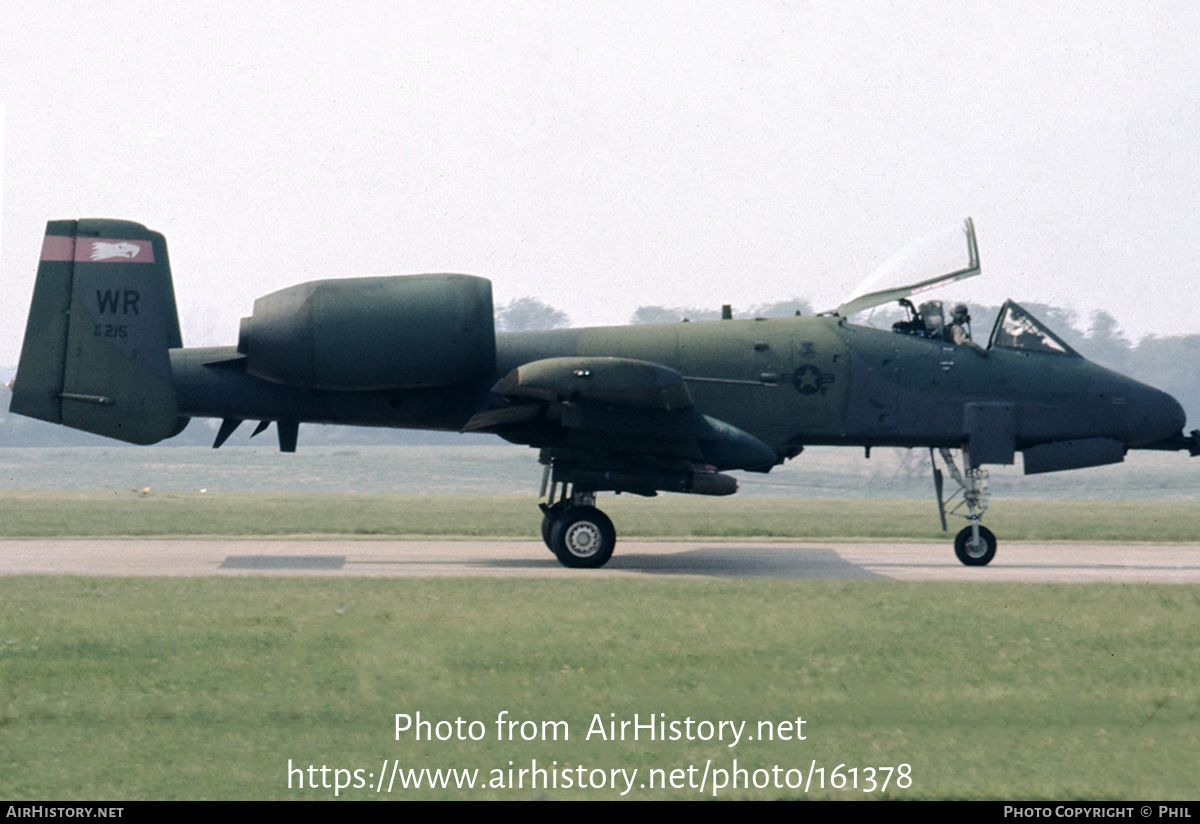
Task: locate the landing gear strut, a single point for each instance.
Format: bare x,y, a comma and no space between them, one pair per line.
579,535
975,545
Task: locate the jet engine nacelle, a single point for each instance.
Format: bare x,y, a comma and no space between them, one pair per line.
373,333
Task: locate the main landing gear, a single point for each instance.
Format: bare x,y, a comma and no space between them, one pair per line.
975,545
579,535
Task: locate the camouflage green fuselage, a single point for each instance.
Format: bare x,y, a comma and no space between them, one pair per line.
820,380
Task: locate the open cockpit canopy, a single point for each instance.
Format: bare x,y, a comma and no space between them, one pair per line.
950,252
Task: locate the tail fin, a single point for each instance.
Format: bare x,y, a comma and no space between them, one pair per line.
96,346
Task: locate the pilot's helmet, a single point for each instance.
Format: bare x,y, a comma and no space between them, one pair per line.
960,312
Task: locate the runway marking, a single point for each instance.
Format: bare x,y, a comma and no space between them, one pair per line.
283,562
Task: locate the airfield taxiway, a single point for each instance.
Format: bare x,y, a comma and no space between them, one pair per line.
1044,563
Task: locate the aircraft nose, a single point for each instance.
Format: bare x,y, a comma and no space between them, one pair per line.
1153,415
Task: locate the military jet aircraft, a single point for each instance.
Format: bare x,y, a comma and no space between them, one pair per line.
637,409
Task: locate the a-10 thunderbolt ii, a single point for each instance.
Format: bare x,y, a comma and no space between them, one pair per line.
637,409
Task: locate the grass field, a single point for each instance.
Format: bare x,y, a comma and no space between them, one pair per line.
116,688
206,688
494,468
50,513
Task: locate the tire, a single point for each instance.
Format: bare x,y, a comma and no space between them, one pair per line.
975,555
549,519
583,537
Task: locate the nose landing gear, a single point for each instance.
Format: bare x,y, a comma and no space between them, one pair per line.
975,545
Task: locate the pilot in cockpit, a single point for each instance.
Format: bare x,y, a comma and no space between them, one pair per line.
960,329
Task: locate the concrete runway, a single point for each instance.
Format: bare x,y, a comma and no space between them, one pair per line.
1122,563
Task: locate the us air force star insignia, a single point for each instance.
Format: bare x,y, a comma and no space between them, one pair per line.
106,251
810,380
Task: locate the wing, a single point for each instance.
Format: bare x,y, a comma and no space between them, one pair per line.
616,415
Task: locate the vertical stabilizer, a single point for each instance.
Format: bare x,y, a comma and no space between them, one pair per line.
103,319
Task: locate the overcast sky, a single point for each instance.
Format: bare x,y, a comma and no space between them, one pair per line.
602,156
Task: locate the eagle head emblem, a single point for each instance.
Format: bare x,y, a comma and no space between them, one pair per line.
103,250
